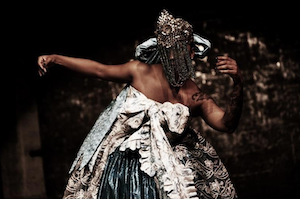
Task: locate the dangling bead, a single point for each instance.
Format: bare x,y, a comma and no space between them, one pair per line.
180,68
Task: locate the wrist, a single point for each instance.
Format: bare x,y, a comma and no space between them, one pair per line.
237,79
55,59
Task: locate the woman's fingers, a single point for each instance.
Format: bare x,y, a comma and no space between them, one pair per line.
220,58
228,71
42,62
231,69
226,65
41,72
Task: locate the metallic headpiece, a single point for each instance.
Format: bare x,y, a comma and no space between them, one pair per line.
171,30
173,36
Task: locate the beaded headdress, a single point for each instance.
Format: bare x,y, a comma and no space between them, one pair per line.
173,36
171,30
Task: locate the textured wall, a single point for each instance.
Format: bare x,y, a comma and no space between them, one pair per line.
263,154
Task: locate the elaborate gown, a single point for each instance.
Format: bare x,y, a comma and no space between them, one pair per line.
140,148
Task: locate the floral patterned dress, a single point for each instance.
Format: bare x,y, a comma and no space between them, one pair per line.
140,148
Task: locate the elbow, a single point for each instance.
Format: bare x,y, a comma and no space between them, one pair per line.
229,125
230,128
227,130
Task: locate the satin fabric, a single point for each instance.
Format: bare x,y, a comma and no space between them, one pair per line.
123,179
182,162
148,50
97,133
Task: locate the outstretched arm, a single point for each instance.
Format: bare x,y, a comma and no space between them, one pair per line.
119,73
217,118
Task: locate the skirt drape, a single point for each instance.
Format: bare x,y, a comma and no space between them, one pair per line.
123,179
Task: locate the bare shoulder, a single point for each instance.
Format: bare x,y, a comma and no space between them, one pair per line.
138,64
138,67
142,67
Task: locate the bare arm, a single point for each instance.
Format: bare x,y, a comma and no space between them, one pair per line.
214,116
119,73
234,108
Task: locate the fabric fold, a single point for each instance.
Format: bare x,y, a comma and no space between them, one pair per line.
148,51
157,156
186,167
98,131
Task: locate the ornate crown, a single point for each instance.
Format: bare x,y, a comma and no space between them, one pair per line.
171,30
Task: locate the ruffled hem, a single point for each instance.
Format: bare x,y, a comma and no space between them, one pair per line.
189,170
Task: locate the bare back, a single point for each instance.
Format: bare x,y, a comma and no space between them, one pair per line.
151,81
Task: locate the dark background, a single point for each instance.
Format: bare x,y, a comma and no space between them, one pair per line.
262,156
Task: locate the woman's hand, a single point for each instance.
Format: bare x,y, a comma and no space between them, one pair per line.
227,65
44,62
230,119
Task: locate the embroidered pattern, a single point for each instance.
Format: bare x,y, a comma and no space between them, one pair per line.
190,168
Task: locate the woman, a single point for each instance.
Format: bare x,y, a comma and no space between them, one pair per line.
141,145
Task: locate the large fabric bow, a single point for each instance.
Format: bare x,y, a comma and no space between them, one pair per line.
149,120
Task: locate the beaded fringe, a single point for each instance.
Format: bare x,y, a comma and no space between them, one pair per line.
179,68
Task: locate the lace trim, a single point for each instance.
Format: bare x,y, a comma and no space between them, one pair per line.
180,172
157,156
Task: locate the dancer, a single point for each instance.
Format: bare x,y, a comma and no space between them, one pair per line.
141,146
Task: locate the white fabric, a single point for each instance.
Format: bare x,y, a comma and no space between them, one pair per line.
157,156
190,168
